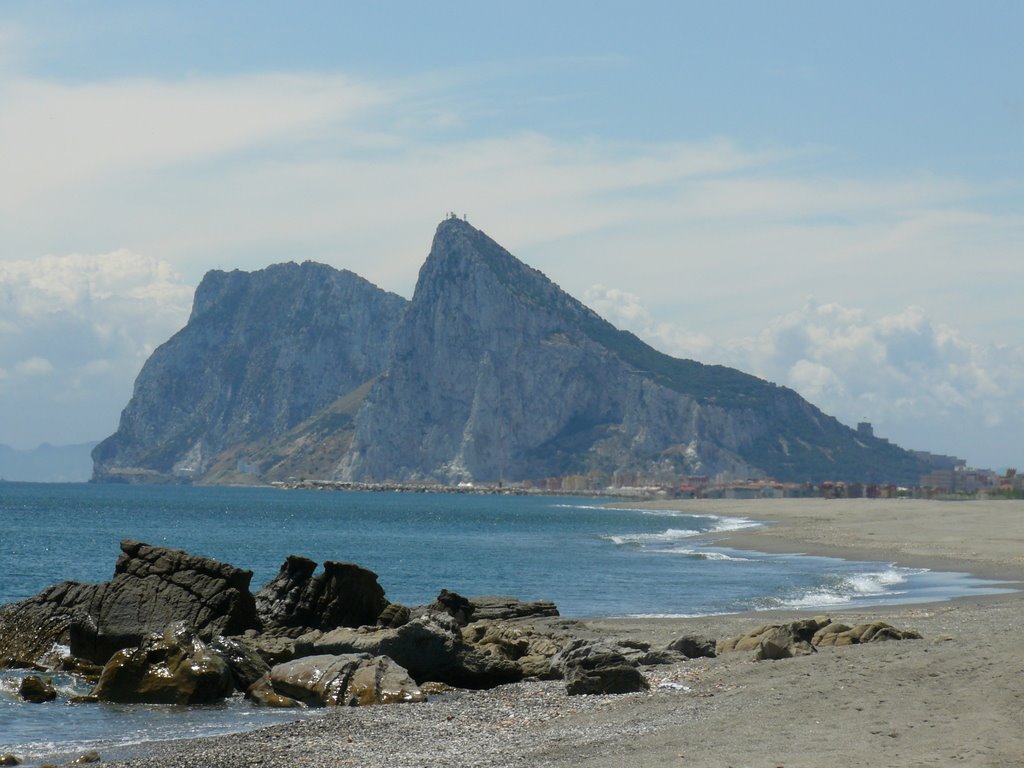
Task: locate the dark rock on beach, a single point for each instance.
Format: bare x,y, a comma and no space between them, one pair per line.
523,645
243,659
36,690
30,629
342,595
430,647
175,667
489,607
693,647
589,667
344,680
152,586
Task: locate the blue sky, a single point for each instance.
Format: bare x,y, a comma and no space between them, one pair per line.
829,196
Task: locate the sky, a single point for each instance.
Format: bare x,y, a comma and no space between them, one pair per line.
829,196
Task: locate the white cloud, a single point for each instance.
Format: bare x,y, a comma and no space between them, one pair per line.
921,384
74,331
58,136
626,310
695,242
34,366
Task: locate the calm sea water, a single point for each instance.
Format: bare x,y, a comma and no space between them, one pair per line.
591,560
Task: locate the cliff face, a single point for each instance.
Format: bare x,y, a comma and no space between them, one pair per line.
497,374
490,373
261,353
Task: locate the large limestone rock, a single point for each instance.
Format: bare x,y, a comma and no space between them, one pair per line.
594,668
152,586
497,374
175,667
344,680
491,373
262,353
342,595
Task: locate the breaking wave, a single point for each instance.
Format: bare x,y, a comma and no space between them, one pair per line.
850,589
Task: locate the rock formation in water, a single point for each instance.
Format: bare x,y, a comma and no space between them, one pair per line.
490,373
261,353
151,587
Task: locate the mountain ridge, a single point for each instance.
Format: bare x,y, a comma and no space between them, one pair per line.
491,372
261,352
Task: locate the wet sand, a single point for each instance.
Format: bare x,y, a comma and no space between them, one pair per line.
956,697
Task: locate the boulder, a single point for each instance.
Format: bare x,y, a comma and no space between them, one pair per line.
641,653
693,647
394,615
342,595
173,668
501,607
455,605
776,641
346,679
489,607
590,668
519,644
36,690
153,587
430,647
873,632
243,659
81,667
278,601
32,630
262,694
273,648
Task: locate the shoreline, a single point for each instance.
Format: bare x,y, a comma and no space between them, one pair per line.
957,695
983,538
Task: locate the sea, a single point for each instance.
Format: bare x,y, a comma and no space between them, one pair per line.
592,558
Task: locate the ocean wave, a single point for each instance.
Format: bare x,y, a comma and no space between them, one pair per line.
718,525
698,554
849,589
642,539
732,523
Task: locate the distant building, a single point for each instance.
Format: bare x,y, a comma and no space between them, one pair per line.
960,480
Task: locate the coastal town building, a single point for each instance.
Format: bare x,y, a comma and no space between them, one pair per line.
960,480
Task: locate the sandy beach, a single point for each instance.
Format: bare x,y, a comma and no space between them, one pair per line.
954,697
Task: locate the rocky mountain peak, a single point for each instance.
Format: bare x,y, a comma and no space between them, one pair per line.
491,373
262,352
